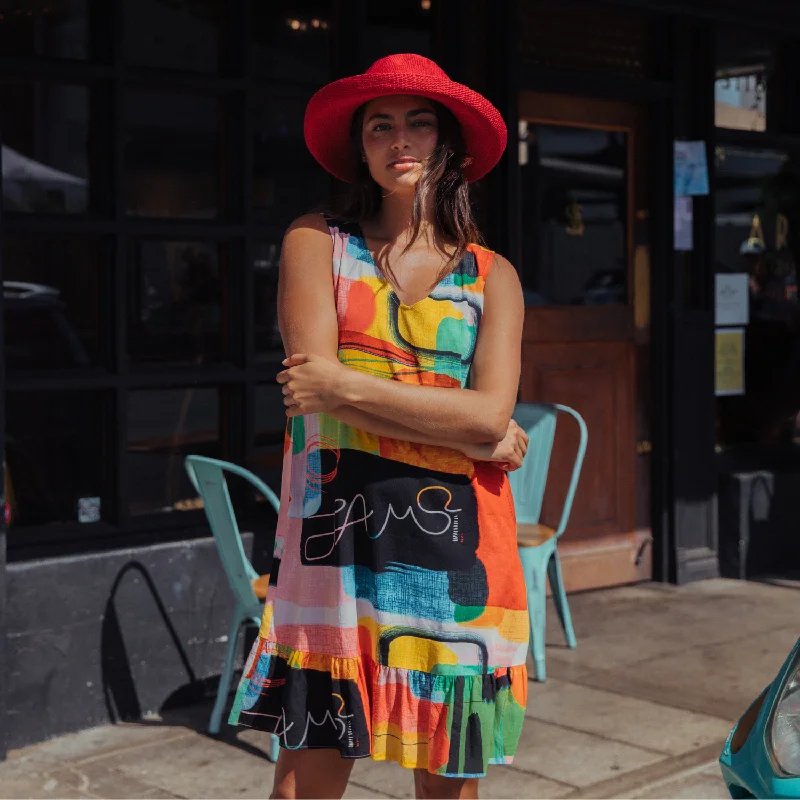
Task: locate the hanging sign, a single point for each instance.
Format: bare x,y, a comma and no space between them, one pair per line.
732,306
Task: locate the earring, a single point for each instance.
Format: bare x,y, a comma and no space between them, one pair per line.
363,158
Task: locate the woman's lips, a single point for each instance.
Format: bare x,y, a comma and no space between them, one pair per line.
404,165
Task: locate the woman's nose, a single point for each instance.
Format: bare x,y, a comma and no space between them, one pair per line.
400,140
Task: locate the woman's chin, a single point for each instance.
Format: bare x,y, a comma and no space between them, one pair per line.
402,182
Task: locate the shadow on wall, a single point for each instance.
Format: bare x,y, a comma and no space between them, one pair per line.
118,656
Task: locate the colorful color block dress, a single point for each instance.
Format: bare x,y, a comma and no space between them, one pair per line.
397,627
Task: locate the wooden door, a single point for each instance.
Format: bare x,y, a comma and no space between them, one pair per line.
585,343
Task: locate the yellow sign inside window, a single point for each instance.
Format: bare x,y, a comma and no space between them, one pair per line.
729,361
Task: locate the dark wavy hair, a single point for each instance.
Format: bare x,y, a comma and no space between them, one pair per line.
442,177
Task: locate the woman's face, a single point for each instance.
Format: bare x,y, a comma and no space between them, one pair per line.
399,132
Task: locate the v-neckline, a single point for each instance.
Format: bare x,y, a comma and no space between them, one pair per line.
385,279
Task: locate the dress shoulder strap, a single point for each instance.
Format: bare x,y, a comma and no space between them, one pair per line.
484,258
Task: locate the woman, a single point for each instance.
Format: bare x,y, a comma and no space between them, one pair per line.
398,626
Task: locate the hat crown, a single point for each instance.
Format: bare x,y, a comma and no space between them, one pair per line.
407,64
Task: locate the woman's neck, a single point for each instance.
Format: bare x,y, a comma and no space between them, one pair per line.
395,218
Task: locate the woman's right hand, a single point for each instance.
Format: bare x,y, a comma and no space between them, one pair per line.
507,455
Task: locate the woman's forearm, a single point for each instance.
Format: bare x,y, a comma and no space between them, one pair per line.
462,415
383,427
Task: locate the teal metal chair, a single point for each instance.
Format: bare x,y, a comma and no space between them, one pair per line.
537,543
208,478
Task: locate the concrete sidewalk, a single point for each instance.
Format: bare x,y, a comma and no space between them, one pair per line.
640,710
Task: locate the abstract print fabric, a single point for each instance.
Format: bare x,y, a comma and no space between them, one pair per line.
396,626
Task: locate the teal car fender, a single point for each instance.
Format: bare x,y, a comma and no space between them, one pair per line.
761,757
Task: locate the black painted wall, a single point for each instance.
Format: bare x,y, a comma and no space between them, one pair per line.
112,636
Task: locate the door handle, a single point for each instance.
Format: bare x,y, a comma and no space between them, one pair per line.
644,447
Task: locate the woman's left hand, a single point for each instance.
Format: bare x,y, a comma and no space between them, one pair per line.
311,384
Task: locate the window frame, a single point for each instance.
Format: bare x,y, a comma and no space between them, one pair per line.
110,78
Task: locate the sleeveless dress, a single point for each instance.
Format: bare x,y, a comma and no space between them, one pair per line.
397,625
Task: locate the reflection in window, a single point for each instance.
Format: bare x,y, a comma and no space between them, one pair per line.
56,457
164,427
45,147
574,206
51,28
288,181
52,287
757,218
270,428
170,35
175,303
292,40
171,155
745,64
268,343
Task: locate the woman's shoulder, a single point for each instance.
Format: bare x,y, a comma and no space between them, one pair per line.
324,222
310,222
489,262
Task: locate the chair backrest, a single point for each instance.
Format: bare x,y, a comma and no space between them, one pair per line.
528,483
208,478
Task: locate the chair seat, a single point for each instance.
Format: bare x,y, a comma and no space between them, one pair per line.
533,535
260,586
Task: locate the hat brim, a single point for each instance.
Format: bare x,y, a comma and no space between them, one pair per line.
330,112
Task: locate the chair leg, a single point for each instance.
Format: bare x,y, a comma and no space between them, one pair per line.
225,678
274,748
560,598
538,617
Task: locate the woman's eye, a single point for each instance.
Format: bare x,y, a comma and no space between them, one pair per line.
383,126
423,122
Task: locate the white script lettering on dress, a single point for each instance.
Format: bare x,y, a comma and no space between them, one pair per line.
342,505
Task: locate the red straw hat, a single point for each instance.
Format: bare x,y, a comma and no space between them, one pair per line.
330,112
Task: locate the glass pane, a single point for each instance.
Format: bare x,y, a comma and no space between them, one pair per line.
574,209
171,155
164,427
288,181
45,147
51,28
167,34
757,196
57,456
746,61
270,428
54,296
292,40
176,303
404,26
268,343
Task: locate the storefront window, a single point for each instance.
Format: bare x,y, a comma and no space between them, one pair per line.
745,66
292,41
164,427
176,302
53,296
171,155
288,181
270,429
757,226
268,344
173,35
45,154
404,26
574,206
57,457
51,28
